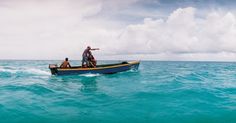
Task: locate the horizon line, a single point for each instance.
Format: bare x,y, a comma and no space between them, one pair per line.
121,60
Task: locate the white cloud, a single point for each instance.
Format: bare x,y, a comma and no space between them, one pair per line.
182,34
45,29
42,29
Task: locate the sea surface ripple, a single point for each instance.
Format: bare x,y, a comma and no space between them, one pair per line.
159,92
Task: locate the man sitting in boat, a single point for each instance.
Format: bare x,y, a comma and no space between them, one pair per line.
65,64
86,55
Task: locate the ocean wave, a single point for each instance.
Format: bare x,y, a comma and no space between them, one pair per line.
90,75
23,70
38,71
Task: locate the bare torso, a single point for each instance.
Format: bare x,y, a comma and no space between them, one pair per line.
65,64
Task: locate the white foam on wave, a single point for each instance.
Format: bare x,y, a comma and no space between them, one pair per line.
2,69
90,75
15,70
37,71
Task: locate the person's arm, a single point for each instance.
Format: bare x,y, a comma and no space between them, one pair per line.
91,63
95,49
61,64
69,64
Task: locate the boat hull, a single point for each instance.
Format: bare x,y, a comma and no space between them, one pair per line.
100,69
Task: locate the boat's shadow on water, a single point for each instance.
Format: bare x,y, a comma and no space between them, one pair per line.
84,83
88,83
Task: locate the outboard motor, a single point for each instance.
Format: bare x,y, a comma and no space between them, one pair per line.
53,68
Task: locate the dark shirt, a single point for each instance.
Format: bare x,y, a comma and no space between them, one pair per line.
86,52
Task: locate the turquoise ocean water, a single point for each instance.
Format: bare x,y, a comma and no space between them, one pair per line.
159,92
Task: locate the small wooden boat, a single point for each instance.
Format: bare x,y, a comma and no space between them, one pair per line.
99,69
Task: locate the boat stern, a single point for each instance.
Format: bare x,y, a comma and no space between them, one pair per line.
53,68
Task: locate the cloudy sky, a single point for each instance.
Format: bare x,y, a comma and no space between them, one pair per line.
122,29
